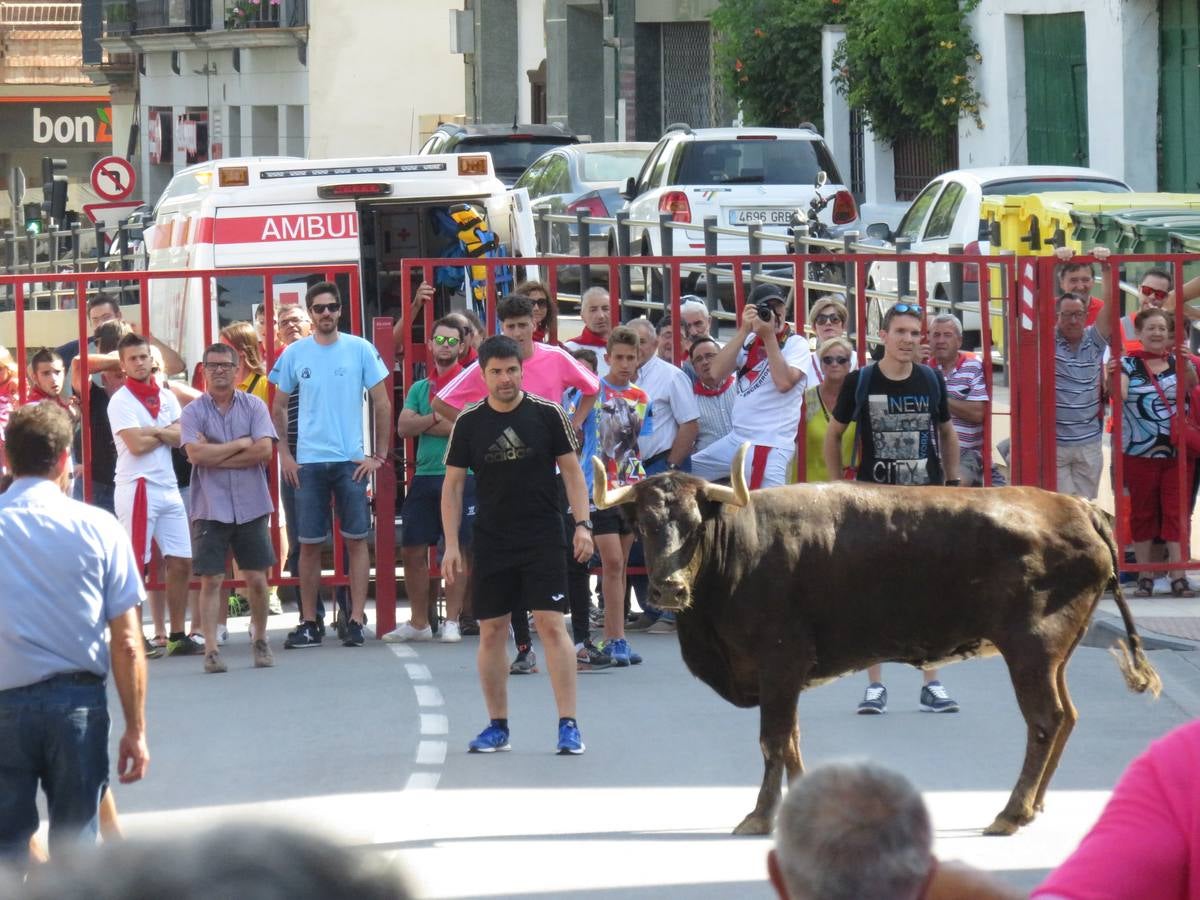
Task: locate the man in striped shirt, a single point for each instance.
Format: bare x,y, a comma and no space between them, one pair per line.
1079,413
967,392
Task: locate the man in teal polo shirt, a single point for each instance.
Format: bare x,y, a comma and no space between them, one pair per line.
421,512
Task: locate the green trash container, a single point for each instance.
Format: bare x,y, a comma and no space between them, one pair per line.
1145,233
1102,228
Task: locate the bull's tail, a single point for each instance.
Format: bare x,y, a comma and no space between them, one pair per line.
1140,676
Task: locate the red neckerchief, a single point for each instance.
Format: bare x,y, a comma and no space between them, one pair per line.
471,356
1143,354
541,335
437,382
589,338
147,393
700,390
37,395
757,351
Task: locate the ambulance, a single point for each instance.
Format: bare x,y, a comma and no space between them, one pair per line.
283,211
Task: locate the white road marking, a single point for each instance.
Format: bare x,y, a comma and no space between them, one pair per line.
422,781
428,695
434,723
418,671
404,651
431,753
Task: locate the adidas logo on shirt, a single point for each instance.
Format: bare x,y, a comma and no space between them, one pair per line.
507,448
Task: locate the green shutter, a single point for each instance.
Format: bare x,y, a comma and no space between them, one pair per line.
1056,90
1179,96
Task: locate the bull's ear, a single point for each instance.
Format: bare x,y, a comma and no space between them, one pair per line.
601,496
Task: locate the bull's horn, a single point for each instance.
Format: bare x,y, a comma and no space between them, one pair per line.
600,493
739,494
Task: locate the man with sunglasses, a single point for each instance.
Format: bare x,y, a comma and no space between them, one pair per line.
422,503
1155,288
228,437
334,370
770,360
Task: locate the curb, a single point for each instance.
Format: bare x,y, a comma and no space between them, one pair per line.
1106,629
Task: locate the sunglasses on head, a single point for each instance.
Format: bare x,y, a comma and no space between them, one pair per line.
443,340
909,308
1156,293
835,360
326,307
827,319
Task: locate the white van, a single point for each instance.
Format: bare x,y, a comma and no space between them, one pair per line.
283,211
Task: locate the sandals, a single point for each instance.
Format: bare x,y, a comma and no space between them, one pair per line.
1145,587
1180,588
160,640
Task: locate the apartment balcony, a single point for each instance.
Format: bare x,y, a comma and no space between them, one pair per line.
140,26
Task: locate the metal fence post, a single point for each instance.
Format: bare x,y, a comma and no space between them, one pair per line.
956,280
710,277
543,231
849,276
754,242
667,243
623,250
585,250
902,268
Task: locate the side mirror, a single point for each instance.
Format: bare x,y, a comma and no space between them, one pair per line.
880,231
822,179
630,190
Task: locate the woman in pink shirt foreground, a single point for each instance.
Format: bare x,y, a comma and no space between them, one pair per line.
1146,844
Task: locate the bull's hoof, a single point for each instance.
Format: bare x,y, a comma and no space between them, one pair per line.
754,824
1006,824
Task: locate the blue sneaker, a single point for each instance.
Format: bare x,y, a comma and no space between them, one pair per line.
622,654
490,740
569,741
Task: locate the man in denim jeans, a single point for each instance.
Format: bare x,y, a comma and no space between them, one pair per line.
331,370
69,572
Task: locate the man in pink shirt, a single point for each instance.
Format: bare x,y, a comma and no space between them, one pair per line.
548,372
1147,841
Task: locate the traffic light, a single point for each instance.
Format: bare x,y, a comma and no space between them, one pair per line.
54,190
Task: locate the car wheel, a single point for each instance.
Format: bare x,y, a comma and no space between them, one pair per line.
652,280
875,311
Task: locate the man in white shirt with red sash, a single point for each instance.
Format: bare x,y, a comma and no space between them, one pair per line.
770,361
145,424
595,308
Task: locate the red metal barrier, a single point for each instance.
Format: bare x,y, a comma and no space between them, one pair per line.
91,283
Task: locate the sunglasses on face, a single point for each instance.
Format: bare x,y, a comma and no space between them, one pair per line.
1156,293
539,301
828,319
291,322
835,360
443,341
319,308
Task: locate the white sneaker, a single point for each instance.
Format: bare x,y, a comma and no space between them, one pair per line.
451,633
406,633
274,607
222,635
1162,585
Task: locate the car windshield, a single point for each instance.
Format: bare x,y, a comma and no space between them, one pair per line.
752,162
611,165
508,155
1022,186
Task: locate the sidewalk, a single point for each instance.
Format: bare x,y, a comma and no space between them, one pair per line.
1165,623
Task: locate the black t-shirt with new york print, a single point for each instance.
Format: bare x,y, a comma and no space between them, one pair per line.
897,425
513,457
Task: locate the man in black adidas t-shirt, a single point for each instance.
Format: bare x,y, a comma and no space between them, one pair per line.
512,441
905,437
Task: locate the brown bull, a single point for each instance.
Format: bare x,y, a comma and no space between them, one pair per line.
773,588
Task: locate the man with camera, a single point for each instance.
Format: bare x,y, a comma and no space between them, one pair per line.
770,360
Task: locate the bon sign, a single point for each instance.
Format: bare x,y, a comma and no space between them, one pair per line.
113,178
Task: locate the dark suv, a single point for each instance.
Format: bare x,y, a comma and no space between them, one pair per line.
513,147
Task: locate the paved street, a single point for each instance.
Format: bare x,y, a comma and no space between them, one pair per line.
368,747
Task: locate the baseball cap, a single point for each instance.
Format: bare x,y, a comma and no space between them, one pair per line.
766,292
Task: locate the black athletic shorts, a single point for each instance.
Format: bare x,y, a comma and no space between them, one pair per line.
249,541
534,581
609,521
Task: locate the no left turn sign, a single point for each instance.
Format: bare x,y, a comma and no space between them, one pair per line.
113,178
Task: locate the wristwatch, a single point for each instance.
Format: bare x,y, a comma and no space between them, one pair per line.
584,523
953,482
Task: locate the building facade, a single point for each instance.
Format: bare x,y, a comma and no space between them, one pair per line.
1114,86
207,79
